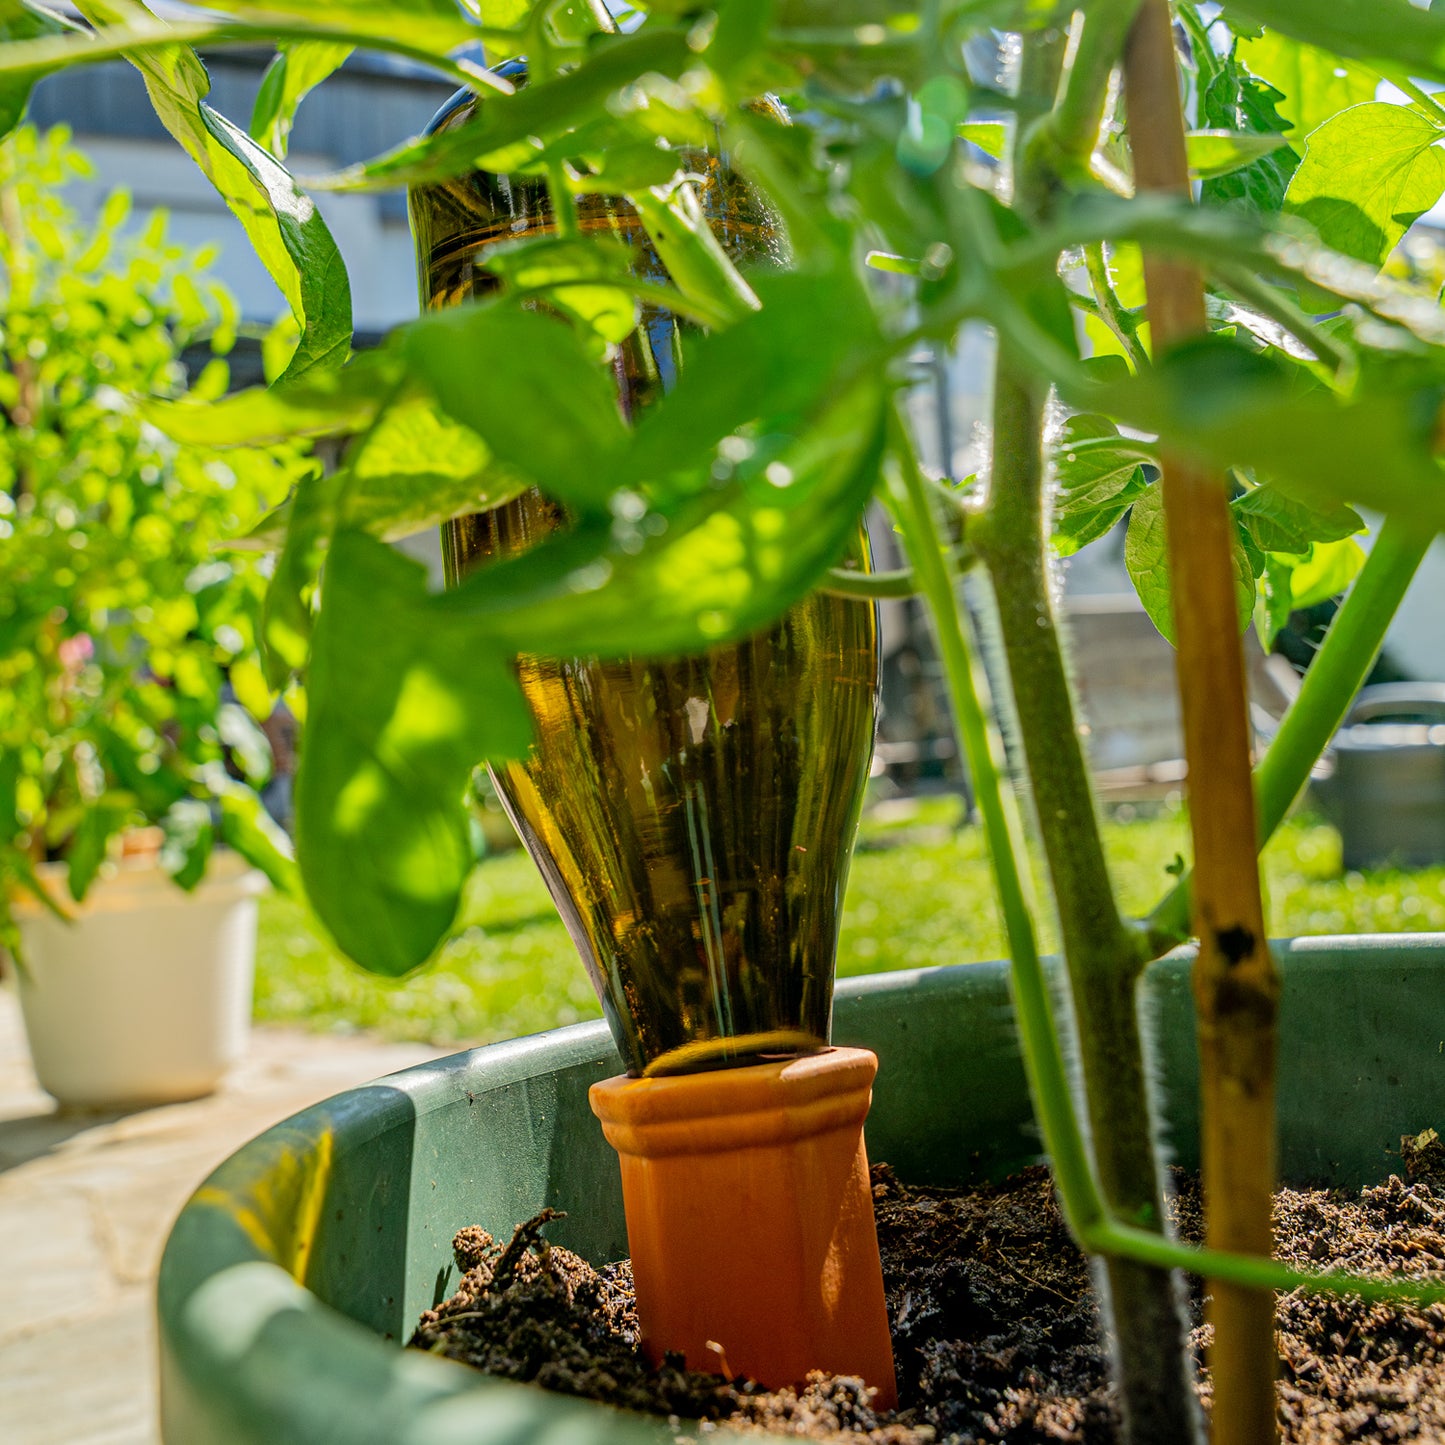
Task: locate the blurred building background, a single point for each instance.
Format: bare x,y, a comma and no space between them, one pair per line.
376,102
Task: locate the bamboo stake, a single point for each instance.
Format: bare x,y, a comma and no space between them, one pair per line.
1236,988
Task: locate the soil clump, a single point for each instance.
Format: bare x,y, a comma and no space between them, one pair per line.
995,1326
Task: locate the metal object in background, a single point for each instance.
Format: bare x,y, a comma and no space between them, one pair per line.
1386,790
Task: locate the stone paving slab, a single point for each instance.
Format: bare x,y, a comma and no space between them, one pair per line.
86,1202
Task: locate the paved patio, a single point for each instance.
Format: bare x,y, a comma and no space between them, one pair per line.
86,1201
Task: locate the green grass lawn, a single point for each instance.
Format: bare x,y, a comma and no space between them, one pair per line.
919,895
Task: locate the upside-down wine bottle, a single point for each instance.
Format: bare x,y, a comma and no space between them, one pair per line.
693,817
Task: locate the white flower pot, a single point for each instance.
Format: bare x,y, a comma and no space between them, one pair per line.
146,997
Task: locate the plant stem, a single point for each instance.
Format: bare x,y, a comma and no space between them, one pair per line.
1112,314
1236,986
1103,954
543,68
913,505
1401,80
1346,655
1273,303
1095,42
843,582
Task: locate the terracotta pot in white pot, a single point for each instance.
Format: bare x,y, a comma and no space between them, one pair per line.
146,997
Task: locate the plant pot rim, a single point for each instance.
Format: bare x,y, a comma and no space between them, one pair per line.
359,1195
139,882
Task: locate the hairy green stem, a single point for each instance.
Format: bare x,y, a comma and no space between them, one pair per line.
1095,41
1422,97
1103,954
843,582
1089,1218
1113,315
1346,655
1273,303
543,67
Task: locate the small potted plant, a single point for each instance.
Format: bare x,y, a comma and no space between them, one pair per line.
127,657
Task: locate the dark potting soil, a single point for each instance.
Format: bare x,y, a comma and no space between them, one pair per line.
995,1329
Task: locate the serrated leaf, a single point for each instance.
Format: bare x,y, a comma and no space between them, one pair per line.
1146,555
1314,84
1281,523
1235,101
1233,407
1218,152
1099,478
1366,176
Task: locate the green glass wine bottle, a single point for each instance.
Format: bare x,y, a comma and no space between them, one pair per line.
694,817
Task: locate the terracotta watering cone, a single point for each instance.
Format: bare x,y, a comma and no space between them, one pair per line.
750,1218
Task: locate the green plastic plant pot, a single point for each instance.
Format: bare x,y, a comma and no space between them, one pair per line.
296,1269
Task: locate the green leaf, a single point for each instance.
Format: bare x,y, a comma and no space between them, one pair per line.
591,280
283,225
298,68
428,24
1315,85
410,691
402,709
509,131
285,614
525,384
1147,558
1393,31
990,136
1233,407
711,567
1099,478
761,377
695,259
24,20
1235,101
189,838
99,823
1291,583
324,403
247,827
627,168
1366,175
1218,152
415,469
1326,572
1281,523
